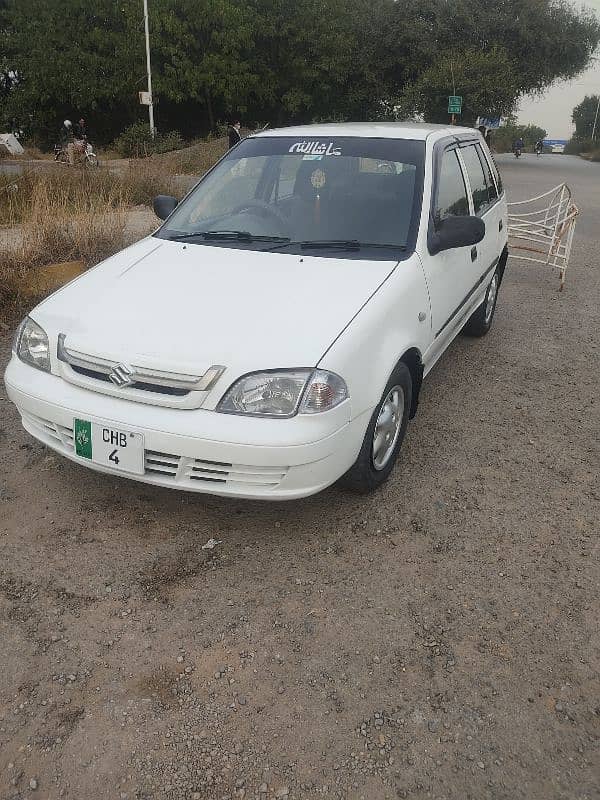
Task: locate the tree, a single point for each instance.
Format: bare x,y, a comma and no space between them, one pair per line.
71,58
503,137
471,74
534,43
279,60
584,115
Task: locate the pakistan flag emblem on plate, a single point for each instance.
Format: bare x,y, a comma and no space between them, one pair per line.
83,438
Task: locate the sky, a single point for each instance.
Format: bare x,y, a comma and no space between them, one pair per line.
553,110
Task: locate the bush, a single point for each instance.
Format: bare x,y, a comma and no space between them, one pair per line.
136,141
576,146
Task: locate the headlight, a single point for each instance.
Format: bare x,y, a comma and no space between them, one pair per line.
284,393
31,345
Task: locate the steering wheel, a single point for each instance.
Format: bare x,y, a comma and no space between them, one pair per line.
266,208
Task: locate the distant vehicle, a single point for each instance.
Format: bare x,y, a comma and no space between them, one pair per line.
555,145
272,336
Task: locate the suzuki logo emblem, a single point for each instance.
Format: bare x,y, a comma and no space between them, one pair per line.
121,375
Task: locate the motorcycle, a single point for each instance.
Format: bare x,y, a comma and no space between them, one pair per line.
538,151
517,152
90,158
83,153
60,154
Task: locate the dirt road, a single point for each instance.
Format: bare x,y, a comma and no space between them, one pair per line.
438,639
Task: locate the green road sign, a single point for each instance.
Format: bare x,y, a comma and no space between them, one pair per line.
454,104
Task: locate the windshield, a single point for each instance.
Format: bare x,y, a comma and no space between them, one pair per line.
282,192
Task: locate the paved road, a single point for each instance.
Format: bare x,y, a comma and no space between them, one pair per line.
438,639
530,175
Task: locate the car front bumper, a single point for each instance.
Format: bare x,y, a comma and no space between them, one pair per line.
196,450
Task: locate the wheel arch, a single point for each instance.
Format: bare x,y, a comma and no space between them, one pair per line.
412,359
502,262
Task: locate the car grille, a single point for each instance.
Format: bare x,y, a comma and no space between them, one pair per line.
146,387
169,468
135,382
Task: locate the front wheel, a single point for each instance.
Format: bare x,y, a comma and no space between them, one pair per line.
481,319
384,435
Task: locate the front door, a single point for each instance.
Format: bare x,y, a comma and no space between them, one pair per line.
451,273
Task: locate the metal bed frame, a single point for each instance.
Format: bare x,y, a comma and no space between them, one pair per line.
541,229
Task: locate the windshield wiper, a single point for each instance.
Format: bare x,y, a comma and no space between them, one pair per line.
238,236
334,244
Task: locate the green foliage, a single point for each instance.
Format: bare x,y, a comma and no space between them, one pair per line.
474,74
503,138
576,146
136,141
584,115
280,61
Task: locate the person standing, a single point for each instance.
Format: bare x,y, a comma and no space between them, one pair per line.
234,134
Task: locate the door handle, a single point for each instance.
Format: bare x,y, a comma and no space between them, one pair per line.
500,225
473,253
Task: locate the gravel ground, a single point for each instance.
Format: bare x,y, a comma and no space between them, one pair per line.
438,639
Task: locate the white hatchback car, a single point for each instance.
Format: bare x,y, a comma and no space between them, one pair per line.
272,336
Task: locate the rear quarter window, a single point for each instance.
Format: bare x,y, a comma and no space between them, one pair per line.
479,183
489,158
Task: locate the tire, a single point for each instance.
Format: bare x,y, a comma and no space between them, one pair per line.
481,319
373,467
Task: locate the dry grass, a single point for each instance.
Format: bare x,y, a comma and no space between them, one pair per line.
59,213
194,160
61,223
136,183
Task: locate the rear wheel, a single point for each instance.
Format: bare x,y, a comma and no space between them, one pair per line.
384,434
480,321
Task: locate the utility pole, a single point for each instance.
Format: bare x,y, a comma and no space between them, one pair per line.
596,119
149,70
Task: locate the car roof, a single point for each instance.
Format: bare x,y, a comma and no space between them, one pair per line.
371,130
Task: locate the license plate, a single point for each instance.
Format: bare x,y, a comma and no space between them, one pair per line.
110,447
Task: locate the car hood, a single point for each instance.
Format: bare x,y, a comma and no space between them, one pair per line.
186,307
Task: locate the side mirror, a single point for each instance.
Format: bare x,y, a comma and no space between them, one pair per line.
164,205
456,232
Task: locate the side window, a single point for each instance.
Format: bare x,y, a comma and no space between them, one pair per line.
451,198
493,165
493,192
479,186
